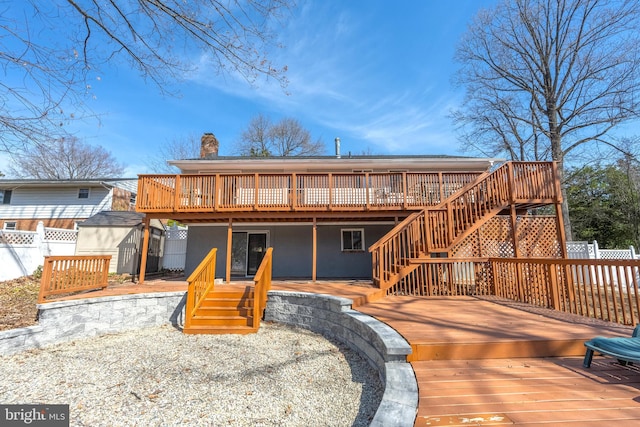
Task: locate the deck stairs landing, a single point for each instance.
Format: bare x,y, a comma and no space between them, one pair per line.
224,310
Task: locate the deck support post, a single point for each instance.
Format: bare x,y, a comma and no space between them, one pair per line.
229,244
145,249
314,250
562,239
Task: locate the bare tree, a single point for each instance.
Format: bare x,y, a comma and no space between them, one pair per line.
286,138
178,148
255,140
546,77
51,52
67,158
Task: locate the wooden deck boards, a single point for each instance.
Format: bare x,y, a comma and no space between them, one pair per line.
550,391
471,328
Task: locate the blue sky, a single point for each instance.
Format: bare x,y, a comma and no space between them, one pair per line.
377,76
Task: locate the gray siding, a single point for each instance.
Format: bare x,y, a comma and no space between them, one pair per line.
200,240
44,203
292,249
333,263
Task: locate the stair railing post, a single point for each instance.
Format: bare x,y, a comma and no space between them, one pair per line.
177,194
555,291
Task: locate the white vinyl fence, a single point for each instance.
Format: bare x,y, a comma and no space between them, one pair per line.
175,249
588,250
577,250
21,252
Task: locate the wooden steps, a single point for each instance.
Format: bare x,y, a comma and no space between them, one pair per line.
224,311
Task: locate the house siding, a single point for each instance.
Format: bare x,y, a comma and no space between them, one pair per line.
121,243
333,263
292,249
45,203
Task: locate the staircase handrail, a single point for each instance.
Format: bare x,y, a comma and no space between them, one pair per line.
492,192
200,283
435,229
262,281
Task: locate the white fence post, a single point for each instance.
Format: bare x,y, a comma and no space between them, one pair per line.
596,250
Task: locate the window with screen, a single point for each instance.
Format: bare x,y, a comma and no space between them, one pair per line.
83,193
353,240
5,197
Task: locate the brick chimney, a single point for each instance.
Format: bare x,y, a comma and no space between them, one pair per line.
209,146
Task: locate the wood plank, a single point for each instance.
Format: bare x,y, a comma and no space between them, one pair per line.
525,391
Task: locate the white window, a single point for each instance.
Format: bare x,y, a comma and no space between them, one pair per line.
5,197
352,239
9,225
83,193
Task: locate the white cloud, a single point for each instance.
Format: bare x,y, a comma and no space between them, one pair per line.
340,80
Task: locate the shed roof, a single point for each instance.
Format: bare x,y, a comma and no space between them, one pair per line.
117,219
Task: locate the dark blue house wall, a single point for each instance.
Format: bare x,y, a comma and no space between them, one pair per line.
292,249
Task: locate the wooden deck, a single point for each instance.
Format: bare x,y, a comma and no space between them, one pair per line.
455,328
488,361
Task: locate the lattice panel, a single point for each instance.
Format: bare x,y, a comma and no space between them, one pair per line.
60,235
537,237
468,248
176,234
16,237
491,240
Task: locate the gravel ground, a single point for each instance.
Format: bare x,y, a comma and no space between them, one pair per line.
281,376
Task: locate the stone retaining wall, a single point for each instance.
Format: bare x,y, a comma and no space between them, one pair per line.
68,320
385,350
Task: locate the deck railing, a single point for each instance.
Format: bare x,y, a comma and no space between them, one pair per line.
297,191
262,285
446,276
69,274
200,283
436,229
602,289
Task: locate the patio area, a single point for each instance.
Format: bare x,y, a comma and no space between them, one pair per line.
485,361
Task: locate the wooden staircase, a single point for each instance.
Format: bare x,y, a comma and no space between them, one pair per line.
228,310
435,231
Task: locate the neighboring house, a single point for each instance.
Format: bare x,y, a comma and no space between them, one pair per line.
61,203
119,234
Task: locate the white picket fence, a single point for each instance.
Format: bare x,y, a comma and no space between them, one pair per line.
21,252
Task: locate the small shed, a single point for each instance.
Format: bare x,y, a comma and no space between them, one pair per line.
120,234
